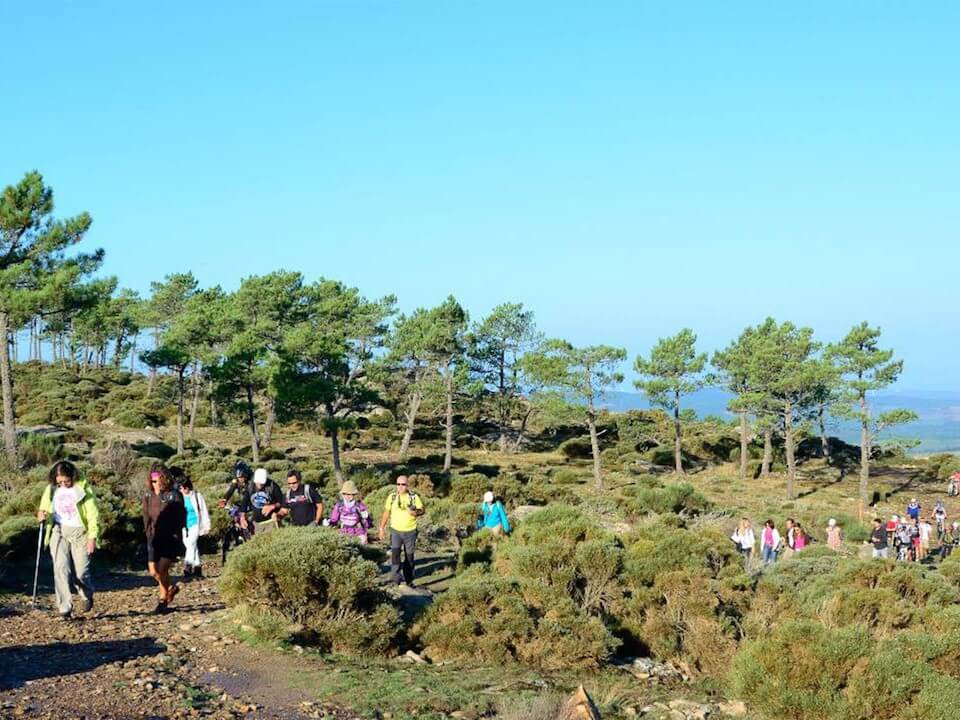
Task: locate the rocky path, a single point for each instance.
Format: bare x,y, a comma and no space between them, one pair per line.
121,662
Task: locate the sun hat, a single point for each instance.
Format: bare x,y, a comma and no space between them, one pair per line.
260,476
349,488
488,497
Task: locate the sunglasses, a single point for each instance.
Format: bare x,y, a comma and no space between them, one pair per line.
401,484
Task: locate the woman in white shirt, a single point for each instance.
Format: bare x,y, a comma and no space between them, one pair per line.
744,539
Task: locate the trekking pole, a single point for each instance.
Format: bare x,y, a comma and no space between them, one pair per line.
36,569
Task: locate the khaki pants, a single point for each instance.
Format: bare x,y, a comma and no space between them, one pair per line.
71,565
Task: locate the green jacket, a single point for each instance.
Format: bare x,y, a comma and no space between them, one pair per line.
87,507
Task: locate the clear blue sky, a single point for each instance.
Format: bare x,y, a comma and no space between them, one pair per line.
623,169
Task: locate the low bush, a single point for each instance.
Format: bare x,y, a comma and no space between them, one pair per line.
661,499
39,449
578,448
486,619
319,580
565,476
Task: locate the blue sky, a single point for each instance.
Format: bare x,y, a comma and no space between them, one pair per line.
625,170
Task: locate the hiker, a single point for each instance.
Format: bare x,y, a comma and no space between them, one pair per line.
164,520
878,539
952,540
834,535
791,533
939,515
350,514
913,509
953,486
770,542
302,503
493,516
197,525
892,525
744,540
800,538
71,534
926,534
904,542
401,510
239,482
266,501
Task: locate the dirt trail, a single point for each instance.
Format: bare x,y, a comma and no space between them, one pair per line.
120,662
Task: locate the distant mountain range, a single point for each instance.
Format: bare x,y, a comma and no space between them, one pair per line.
938,428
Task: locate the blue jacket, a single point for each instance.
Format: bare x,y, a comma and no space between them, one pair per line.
493,515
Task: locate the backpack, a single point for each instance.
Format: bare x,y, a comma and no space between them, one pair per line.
306,493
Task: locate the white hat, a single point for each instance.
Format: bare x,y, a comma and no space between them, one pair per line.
488,497
260,476
831,522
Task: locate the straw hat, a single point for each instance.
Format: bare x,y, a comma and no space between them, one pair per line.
349,488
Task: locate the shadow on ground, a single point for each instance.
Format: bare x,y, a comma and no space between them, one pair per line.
22,663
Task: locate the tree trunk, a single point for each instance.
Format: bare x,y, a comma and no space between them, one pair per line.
412,409
6,385
865,449
767,452
677,436
271,421
504,412
180,390
153,371
252,423
744,445
195,378
824,442
214,416
523,429
133,354
788,447
448,430
335,448
595,449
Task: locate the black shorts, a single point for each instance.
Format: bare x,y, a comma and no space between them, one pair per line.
168,548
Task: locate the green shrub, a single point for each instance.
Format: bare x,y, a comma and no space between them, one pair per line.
485,619
565,476
578,448
799,671
674,498
471,487
38,449
318,579
18,537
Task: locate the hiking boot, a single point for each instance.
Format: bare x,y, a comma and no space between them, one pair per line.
161,608
198,572
87,605
66,616
187,570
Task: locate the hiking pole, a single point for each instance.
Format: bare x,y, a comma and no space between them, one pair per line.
36,569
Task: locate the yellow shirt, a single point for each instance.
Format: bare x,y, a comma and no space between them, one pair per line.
401,519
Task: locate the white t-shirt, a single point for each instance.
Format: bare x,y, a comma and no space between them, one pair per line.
65,511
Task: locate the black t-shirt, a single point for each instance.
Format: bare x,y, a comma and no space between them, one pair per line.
302,504
879,538
268,494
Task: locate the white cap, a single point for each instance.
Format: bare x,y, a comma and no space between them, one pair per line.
488,497
260,476
831,522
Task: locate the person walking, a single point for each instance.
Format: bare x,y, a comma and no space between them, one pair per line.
878,539
401,510
493,516
72,534
197,525
926,535
913,509
801,539
302,503
350,514
164,519
266,501
744,539
770,542
834,535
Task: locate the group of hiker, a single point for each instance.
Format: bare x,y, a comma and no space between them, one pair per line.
175,516
772,545
914,537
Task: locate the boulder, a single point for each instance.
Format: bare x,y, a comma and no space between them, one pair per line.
579,707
